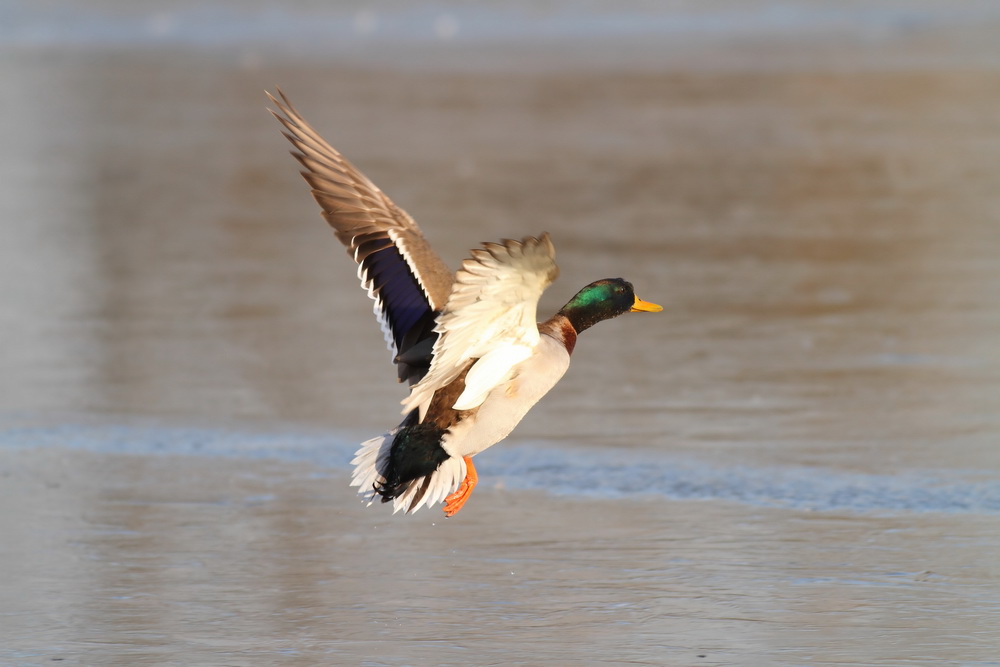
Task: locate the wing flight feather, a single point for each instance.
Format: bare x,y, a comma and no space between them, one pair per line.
401,273
489,320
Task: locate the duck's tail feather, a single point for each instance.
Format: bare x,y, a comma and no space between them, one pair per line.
371,462
433,488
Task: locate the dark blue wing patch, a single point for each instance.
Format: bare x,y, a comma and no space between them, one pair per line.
403,301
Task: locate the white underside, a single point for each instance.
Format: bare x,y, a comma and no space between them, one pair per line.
508,402
500,412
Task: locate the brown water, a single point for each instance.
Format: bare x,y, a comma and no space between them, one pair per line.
798,462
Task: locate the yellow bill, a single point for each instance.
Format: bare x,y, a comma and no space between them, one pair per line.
641,306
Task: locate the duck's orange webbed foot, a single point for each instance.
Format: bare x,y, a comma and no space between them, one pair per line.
456,501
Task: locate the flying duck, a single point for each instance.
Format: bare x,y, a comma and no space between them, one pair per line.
467,343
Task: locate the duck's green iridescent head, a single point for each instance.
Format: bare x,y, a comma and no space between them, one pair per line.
602,300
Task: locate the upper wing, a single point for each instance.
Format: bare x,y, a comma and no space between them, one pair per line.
405,277
490,318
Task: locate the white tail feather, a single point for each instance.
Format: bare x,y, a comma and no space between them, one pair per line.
373,457
444,481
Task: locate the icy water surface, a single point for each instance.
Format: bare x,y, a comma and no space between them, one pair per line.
797,462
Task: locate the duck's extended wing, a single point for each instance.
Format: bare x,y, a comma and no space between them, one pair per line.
407,280
489,320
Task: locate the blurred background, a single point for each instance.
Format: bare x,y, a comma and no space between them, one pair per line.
811,189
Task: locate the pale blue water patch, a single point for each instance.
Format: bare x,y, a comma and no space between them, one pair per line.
558,470
630,474
325,27
323,448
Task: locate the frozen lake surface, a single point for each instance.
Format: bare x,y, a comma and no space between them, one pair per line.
797,462
565,471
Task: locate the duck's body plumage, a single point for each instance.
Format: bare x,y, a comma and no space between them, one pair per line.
468,344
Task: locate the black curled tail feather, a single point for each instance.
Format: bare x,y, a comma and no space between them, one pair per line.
416,452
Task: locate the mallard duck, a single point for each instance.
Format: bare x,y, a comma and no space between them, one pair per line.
467,343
